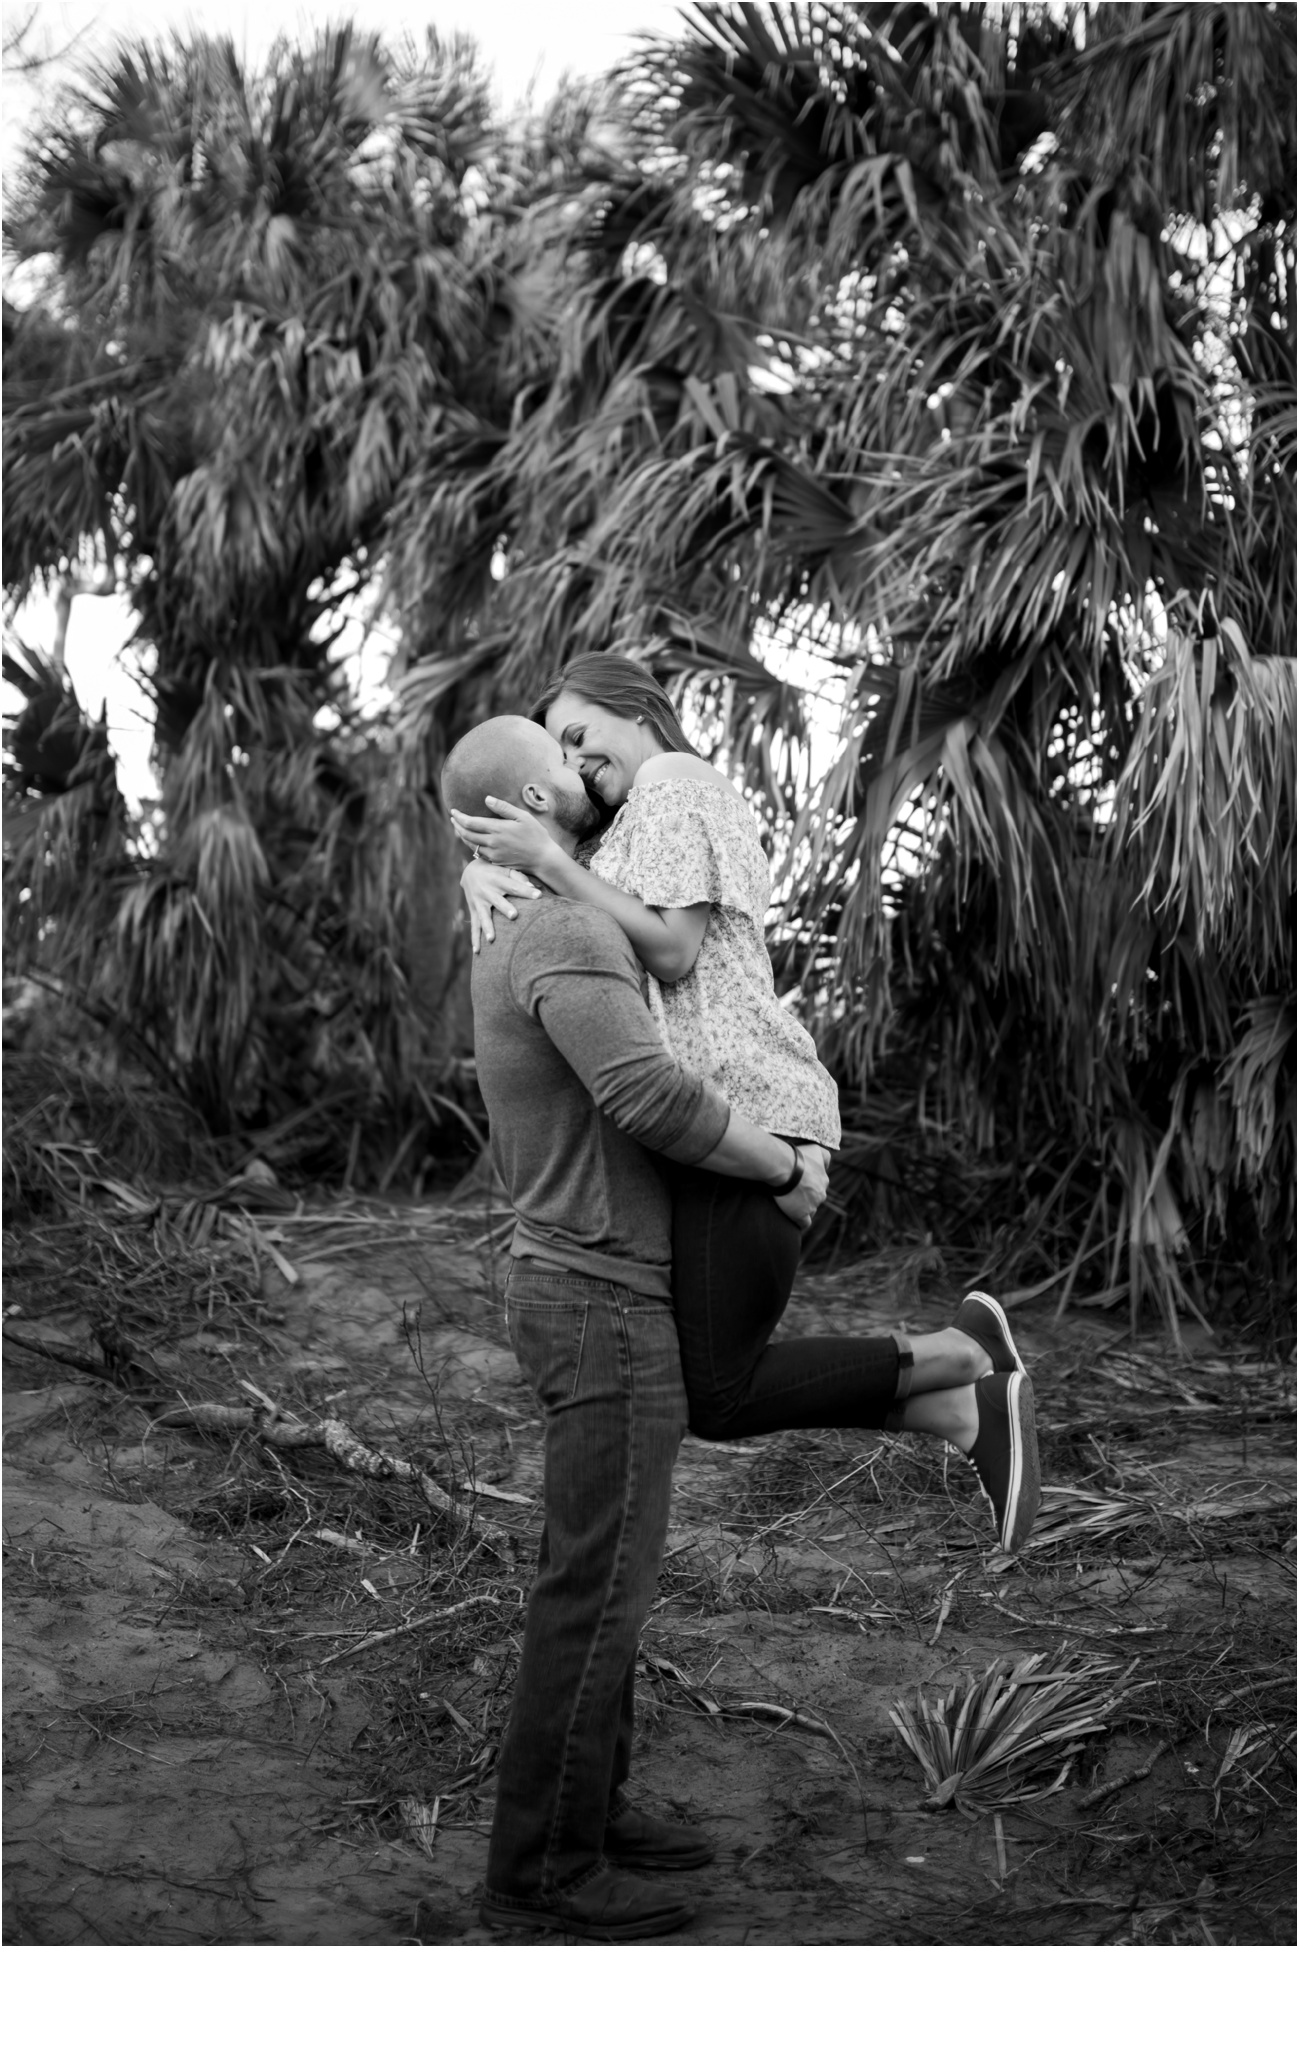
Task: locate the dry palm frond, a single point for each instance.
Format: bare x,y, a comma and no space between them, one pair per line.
420,1821
1260,1077
989,1742
1077,1514
1207,795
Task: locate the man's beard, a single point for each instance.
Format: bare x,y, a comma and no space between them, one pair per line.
575,814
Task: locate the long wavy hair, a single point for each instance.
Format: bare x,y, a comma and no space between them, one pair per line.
621,686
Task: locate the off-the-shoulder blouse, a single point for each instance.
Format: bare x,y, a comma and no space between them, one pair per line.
681,841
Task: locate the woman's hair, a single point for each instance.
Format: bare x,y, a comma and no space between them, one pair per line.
621,686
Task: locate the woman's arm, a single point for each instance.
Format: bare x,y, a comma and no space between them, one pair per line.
665,941
488,889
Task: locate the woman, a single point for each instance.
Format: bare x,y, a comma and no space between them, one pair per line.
680,868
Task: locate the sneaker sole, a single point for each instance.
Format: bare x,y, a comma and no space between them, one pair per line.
505,1920
996,1310
1024,1494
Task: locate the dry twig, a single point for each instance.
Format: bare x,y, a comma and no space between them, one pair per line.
1103,1792
343,1445
372,1639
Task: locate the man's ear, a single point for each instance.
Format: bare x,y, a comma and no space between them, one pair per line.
535,797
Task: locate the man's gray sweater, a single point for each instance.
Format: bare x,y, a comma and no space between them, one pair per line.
577,1080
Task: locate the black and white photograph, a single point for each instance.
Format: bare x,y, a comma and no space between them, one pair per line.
649,1030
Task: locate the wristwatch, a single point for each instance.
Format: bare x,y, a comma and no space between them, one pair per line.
787,1186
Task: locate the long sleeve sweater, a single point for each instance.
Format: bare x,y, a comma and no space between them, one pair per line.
578,1084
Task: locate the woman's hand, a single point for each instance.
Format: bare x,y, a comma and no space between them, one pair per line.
487,890
802,1202
510,837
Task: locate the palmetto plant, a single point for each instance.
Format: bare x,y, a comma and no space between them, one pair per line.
959,342
989,1741
953,344
258,293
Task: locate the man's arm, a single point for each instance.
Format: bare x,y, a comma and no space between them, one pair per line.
576,977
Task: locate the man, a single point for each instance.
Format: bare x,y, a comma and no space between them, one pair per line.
577,1082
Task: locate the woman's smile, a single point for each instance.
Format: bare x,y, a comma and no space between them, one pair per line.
605,749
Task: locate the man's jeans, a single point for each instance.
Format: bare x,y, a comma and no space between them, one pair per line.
604,1364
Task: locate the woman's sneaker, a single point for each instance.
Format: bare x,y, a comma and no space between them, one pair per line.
1004,1454
984,1319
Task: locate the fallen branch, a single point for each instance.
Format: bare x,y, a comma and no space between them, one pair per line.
343,1445
1103,1792
76,1361
116,1367
406,1628
761,1710
784,1717
787,1717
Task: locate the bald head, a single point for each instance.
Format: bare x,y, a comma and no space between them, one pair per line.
518,761
498,758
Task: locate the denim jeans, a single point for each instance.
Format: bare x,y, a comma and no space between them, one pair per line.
604,1364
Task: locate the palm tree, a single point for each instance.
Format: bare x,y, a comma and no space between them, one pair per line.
955,344
960,341
259,292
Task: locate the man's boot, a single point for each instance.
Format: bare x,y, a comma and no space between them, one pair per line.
608,1905
641,1841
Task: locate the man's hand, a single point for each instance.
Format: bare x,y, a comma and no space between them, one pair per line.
802,1203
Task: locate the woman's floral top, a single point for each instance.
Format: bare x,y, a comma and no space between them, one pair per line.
682,841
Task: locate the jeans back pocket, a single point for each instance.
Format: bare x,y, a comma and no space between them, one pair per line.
547,1337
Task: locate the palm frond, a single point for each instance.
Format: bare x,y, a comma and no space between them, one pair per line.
1207,797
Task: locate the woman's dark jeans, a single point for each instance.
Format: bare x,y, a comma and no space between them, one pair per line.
604,1364
734,1257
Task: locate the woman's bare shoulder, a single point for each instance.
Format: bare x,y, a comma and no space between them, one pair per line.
680,768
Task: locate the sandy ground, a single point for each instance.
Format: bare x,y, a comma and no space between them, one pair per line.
197,1750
